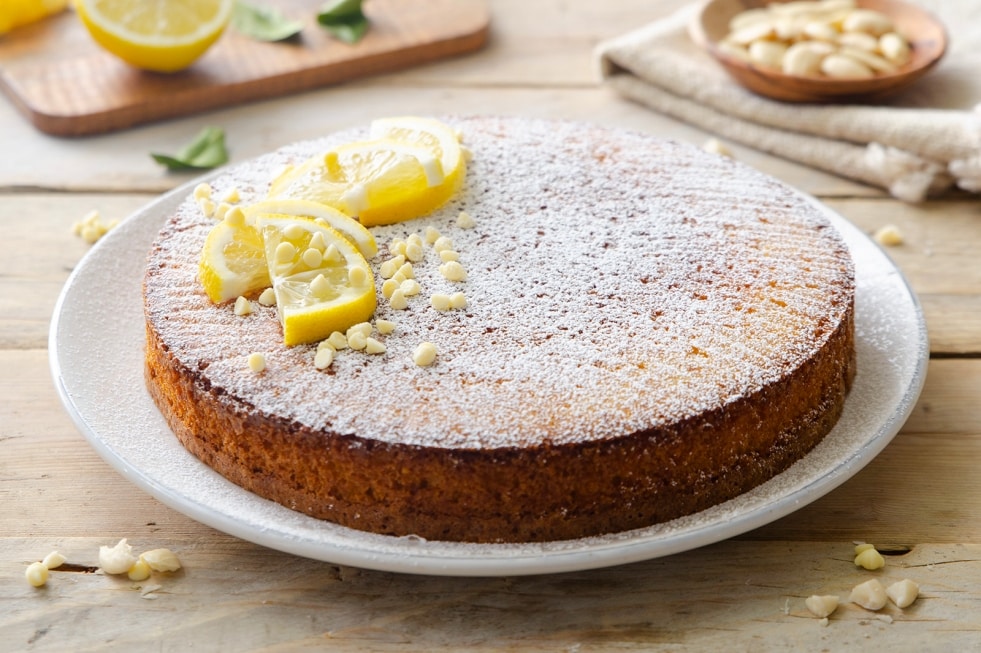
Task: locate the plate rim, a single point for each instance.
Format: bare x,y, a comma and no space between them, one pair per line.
411,555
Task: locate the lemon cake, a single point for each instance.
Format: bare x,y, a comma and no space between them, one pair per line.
633,330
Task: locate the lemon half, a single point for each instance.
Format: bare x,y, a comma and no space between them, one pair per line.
160,35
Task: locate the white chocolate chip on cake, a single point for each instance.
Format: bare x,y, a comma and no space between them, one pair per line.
243,306
337,340
414,252
442,243
385,327
406,271
431,234
323,358
373,346
465,221
410,288
357,340
440,301
453,271
458,300
448,255
398,300
235,217
389,287
257,362
231,196
202,191
424,354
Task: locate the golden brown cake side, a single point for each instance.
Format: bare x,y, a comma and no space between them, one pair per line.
641,344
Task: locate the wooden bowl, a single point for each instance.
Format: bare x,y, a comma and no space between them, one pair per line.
926,34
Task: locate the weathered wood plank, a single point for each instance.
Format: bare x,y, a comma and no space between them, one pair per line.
731,596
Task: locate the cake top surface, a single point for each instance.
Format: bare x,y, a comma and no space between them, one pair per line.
615,282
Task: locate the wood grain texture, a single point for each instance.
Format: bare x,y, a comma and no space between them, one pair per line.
920,498
741,596
90,91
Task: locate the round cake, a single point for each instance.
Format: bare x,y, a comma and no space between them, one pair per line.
649,330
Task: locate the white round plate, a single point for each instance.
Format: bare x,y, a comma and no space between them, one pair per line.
96,350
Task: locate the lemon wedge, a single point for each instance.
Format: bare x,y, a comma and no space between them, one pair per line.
322,283
348,227
163,35
233,262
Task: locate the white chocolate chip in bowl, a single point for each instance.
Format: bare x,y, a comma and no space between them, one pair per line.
889,44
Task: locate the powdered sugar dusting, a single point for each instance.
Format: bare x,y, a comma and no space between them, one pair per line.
615,282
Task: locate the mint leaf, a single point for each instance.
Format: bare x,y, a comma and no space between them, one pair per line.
263,23
343,19
207,150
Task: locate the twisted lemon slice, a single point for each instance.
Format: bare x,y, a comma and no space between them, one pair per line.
411,167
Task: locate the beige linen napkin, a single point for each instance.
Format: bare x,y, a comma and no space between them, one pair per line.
915,146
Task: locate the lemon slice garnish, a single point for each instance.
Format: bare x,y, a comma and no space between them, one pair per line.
437,137
348,227
163,35
322,283
380,181
233,262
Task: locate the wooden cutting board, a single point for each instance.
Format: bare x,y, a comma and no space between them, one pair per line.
66,86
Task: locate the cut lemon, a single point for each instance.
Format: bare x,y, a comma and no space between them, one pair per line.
14,13
380,181
233,262
162,35
348,227
437,137
321,281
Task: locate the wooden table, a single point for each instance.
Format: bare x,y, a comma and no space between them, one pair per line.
920,500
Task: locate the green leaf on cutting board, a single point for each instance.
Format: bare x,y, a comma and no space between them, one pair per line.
343,19
263,23
207,150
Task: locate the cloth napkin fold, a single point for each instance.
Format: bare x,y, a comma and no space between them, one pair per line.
912,151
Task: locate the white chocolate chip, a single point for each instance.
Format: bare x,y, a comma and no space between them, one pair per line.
373,346
285,252
358,276
903,592
871,595
430,234
397,247
337,340
317,242
232,196
442,243
332,254
385,327
414,252
243,306
323,358
320,287
440,301
870,559
202,191
161,560
821,606
36,574
465,221
458,300
53,560
116,559
207,207
357,340
715,146
410,288
388,268
448,255
406,271
139,571
424,354
222,209
453,271
398,300
389,287
888,235
364,328
268,297
235,217
312,257
257,362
